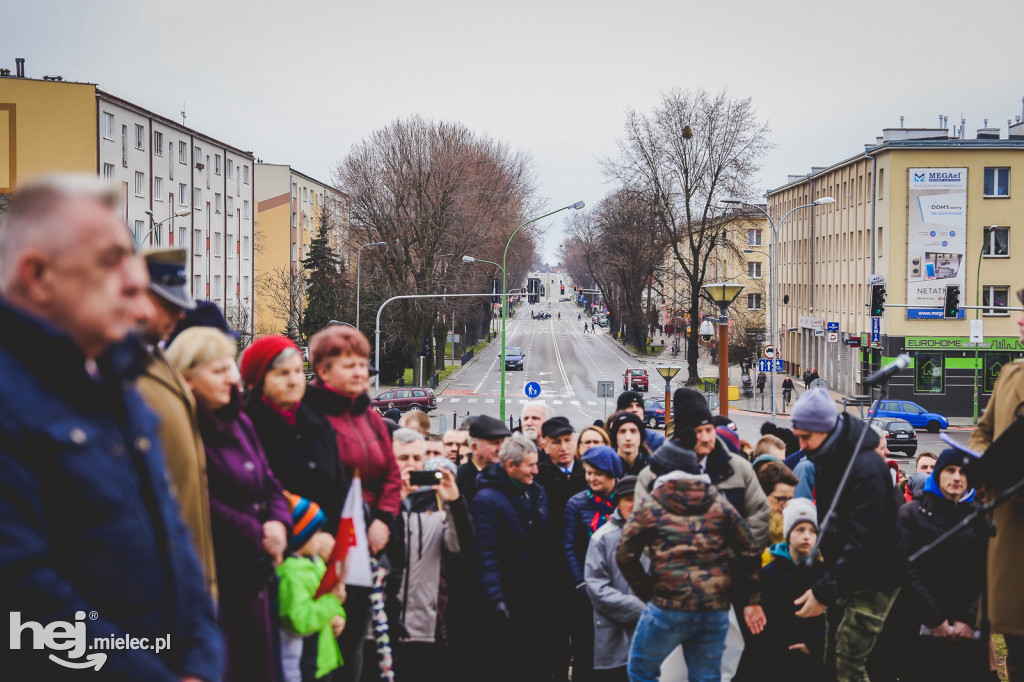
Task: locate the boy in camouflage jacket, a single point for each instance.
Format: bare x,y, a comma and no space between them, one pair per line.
703,558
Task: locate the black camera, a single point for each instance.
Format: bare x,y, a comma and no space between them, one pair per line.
424,477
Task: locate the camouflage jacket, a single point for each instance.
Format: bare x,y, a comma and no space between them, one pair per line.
703,555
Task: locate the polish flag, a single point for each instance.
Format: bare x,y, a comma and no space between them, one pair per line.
350,559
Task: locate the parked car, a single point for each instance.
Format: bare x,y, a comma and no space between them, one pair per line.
603,322
406,399
899,435
918,417
654,413
514,357
635,379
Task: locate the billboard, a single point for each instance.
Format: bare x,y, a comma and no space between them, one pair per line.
936,238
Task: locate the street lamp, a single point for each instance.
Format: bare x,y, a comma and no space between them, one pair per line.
977,312
470,259
723,294
359,254
155,225
504,291
773,262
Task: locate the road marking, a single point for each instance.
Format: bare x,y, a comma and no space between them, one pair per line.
591,402
574,402
556,402
471,400
488,400
456,400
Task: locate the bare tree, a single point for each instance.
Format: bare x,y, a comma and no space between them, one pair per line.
689,153
281,292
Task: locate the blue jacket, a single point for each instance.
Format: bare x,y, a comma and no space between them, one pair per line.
584,513
87,521
654,439
510,519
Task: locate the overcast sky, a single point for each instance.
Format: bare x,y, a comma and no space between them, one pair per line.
300,82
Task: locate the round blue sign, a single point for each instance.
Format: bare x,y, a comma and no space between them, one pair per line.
532,389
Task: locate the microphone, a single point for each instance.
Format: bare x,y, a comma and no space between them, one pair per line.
894,367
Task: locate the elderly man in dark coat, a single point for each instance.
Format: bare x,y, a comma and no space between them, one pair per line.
91,540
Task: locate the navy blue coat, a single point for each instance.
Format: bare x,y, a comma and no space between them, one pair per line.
583,515
87,521
510,519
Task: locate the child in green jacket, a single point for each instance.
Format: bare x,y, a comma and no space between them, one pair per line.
309,628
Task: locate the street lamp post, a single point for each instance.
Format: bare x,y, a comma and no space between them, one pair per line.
504,291
977,312
470,259
359,254
723,294
154,225
773,262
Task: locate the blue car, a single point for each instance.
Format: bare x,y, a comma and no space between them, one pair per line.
654,413
918,417
514,358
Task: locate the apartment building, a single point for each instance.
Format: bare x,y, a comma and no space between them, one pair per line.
290,205
919,209
179,187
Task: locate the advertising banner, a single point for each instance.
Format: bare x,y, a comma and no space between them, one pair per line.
936,238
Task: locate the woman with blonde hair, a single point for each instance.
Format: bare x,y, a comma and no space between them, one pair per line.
589,437
249,515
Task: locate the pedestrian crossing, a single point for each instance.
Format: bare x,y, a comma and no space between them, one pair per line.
552,400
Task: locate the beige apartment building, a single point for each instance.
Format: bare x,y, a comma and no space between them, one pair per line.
289,205
920,209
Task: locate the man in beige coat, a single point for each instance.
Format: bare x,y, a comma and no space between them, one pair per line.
165,391
1006,549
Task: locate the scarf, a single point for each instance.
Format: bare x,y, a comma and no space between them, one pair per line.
287,415
606,509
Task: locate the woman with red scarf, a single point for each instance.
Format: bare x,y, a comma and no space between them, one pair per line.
340,357
585,513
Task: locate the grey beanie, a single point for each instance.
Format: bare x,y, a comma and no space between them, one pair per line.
815,412
799,510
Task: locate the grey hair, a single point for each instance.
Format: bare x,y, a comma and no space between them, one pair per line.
436,463
283,357
29,217
536,403
515,449
405,435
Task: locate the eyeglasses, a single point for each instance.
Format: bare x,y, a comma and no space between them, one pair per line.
782,499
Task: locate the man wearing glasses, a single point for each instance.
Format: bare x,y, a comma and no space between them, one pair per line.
859,547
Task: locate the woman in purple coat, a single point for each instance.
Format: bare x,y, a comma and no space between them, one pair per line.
249,514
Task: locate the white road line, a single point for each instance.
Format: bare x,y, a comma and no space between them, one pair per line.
488,400
471,400
556,402
591,402
574,402
456,400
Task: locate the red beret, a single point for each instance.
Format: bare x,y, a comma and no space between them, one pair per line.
258,357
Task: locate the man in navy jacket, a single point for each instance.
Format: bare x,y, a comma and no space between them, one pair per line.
90,535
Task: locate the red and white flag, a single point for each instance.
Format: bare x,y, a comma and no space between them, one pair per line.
350,559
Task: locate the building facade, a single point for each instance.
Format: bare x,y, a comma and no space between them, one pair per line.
179,187
290,206
920,210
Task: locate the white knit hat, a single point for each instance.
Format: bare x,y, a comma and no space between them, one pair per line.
798,510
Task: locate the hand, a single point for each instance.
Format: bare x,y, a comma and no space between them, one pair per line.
962,631
802,648
339,592
447,489
811,607
941,631
502,610
275,540
337,625
754,615
407,488
378,535
324,545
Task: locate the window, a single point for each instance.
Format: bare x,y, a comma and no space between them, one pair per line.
881,183
197,154
928,372
216,243
216,202
753,301
158,143
997,182
140,183
216,287
245,248
197,241
245,174
108,126
182,234
108,171
182,152
140,136
216,164
231,174
197,199
245,208
124,146
231,204
245,286
231,285
997,296
183,194
197,286
231,245
997,242
754,270
753,237
158,189
139,232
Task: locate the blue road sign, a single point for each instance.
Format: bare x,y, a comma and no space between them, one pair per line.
832,326
876,329
532,389
765,365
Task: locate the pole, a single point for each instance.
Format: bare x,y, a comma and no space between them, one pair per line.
723,364
977,302
359,256
668,404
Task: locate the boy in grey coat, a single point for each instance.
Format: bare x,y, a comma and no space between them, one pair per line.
616,608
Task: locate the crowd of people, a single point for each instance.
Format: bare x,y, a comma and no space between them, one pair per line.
155,485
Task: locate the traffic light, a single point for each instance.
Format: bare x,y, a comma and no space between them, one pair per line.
563,290
877,300
952,306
